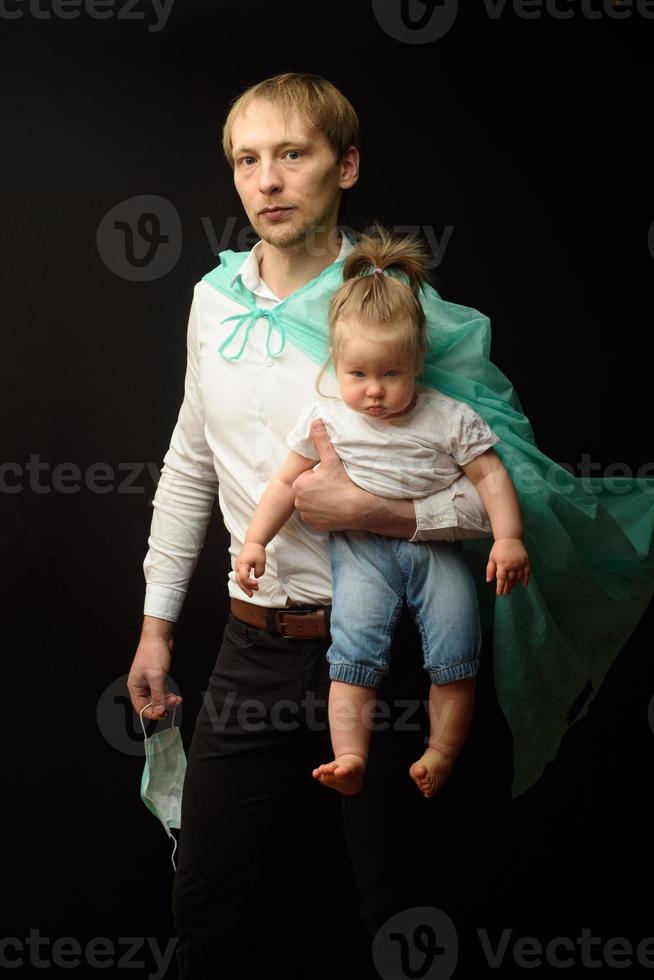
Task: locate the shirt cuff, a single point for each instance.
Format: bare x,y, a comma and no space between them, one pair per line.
163,602
428,527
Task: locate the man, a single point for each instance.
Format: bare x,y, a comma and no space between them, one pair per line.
293,144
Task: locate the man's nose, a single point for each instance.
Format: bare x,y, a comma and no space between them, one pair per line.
269,178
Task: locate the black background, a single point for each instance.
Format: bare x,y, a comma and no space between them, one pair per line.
530,139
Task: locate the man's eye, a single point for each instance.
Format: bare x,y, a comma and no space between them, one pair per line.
299,152
243,159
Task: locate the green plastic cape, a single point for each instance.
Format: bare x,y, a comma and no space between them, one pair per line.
589,541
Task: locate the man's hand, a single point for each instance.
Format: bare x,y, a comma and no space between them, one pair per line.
251,556
509,558
326,499
150,668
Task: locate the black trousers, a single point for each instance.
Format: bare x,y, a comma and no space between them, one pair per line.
271,865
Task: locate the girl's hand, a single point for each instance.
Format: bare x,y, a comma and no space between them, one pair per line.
509,559
252,556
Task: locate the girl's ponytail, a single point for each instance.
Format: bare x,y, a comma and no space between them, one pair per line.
386,301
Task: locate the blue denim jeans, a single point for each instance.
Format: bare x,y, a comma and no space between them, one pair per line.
372,575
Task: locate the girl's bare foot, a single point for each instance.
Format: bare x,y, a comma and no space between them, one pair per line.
430,771
345,773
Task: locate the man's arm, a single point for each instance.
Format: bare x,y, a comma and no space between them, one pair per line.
384,515
183,501
182,506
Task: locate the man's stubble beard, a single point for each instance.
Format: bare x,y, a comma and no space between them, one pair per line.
293,235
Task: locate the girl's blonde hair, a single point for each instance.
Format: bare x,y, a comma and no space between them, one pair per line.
387,306
323,107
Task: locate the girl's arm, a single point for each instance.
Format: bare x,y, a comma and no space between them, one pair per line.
508,556
278,502
495,487
274,509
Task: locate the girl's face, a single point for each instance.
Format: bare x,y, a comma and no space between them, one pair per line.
372,378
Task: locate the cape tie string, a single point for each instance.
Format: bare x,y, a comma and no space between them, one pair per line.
248,319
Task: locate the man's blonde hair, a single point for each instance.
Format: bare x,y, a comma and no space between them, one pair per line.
324,108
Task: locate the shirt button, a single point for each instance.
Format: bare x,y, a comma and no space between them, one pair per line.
264,420
262,476
269,362
285,578
427,399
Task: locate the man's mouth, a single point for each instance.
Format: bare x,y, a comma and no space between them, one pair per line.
274,212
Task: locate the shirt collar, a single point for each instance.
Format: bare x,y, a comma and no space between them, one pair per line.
249,271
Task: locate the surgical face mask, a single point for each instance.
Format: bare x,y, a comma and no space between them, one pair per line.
163,776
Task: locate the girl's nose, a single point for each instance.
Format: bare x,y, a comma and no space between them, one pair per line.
375,390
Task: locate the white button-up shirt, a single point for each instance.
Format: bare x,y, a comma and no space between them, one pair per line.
230,438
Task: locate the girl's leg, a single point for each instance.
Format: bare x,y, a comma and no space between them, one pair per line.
451,707
349,724
442,596
367,600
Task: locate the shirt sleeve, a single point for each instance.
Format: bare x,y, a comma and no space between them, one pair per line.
469,435
184,499
299,438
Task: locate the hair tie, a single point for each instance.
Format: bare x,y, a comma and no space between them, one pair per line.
380,271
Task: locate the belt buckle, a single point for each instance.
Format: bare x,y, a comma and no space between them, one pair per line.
282,627
291,612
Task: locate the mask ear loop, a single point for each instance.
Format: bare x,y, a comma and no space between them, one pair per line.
148,705
166,828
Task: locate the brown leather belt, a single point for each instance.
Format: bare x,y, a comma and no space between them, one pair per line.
294,622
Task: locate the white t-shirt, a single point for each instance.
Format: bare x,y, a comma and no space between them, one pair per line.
412,456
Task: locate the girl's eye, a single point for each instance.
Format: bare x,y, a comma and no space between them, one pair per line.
357,374
392,373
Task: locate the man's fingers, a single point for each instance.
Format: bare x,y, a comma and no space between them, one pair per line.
322,442
158,698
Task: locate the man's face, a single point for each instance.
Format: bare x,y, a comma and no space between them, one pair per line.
280,164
